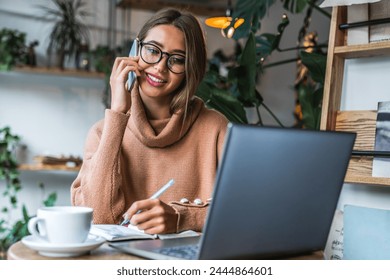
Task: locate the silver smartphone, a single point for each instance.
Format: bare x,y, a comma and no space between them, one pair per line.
132,76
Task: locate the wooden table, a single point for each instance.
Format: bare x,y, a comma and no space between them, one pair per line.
19,251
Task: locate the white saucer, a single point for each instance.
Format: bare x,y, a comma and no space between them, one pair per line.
62,250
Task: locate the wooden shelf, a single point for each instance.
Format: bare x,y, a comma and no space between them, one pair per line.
363,123
59,72
338,40
361,179
45,167
366,50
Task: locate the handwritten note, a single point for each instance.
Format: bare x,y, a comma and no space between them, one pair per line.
334,246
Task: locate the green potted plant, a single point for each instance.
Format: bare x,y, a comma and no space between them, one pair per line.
69,32
233,93
11,232
12,48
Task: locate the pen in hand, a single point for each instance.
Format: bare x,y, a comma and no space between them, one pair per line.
154,196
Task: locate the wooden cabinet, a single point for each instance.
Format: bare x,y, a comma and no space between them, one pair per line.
361,122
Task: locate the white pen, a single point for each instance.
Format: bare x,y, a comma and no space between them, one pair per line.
154,196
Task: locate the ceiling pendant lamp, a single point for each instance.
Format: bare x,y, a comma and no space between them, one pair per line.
223,22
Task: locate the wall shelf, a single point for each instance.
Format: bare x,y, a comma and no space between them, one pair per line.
365,50
46,167
59,72
363,123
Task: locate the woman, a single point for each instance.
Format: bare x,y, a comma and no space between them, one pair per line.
158,132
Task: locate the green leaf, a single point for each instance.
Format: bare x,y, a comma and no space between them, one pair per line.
222,101
295,6
316,64
267,43
252,11
229,107
304,97
13,200
310,100
51,199
26,216
246,72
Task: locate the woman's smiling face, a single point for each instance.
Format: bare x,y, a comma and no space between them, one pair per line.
157,81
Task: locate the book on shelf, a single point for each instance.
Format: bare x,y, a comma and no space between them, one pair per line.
112,232
381,165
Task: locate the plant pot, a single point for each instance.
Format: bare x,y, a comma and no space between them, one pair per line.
56,59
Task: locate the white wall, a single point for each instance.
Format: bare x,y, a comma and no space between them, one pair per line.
366,82
52,114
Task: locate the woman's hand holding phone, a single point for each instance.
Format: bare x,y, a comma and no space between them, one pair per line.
132,76
120,97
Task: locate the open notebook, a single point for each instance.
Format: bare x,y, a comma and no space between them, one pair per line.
112,232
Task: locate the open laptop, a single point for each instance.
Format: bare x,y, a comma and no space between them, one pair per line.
275,195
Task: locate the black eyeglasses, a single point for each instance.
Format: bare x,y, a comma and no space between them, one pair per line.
152,54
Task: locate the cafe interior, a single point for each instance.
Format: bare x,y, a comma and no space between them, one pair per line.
48,104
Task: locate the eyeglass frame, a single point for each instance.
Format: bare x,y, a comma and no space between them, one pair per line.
142,43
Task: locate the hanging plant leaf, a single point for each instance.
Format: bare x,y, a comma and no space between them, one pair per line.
266,43
310,100
228,106
252,11
222,101
246,73
316,64
51,199
26,216
295,6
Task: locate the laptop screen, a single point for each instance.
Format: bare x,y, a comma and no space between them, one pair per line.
276,192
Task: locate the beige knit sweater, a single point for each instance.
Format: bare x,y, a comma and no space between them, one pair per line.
128,158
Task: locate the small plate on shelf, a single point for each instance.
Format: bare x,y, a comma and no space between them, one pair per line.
62,250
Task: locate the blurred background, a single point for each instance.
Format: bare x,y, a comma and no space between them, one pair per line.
51,109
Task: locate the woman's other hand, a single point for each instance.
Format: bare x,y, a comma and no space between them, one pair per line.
120,96
156,217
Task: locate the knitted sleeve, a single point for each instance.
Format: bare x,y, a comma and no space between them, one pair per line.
97,184
192,216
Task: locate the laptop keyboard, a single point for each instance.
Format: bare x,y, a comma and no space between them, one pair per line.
188,252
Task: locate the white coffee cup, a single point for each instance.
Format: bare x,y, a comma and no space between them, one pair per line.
62,224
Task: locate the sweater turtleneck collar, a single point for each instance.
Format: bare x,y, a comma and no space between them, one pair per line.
161,133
